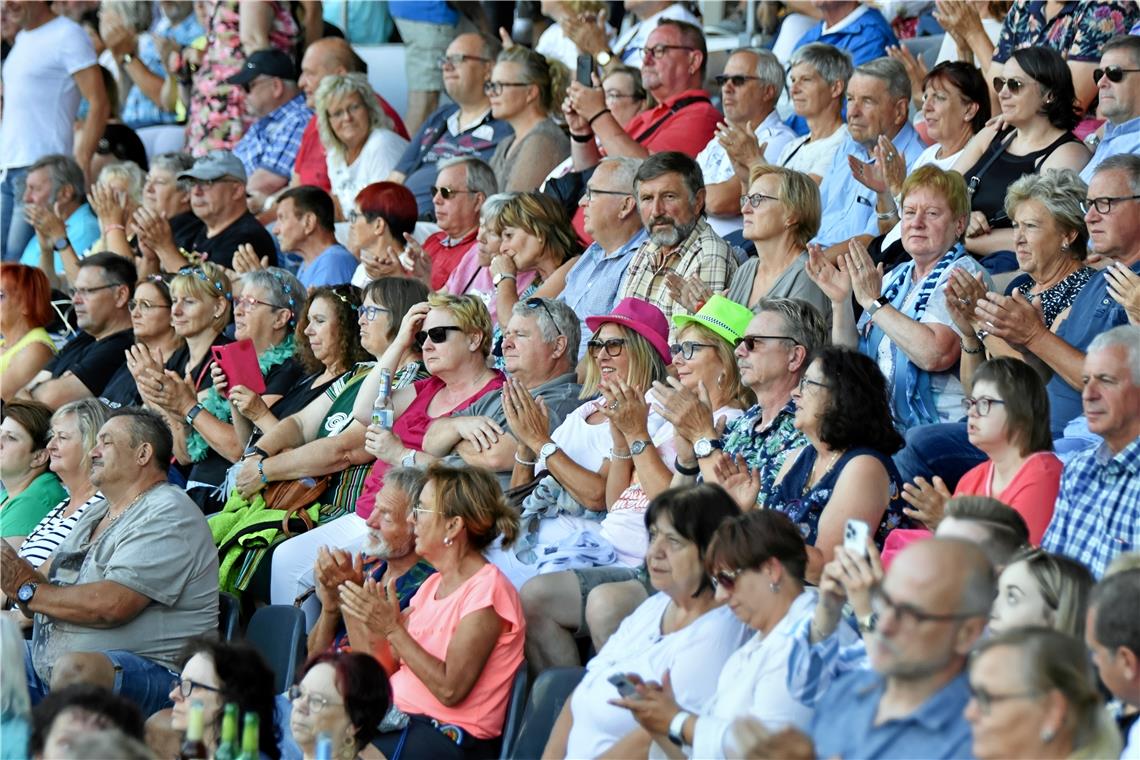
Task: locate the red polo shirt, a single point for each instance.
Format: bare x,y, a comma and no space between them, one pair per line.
310,163
445,255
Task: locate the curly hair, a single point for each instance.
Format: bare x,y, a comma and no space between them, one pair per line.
345,303
859,408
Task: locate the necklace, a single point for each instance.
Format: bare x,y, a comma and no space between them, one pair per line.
126,509
813,479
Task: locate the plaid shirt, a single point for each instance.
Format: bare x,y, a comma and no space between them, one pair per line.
1097,515
406,587
703,253
273,140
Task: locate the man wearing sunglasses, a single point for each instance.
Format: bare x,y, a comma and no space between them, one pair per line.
1118,86
460,188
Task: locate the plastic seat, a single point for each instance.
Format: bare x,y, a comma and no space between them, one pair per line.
229,616
278,632
516,704
550,691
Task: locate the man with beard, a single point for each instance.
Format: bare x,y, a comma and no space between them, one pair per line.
388,556
670,192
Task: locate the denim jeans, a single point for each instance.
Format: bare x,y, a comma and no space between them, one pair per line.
942,449
14,231
138,679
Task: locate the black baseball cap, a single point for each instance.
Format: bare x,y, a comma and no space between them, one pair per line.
270,62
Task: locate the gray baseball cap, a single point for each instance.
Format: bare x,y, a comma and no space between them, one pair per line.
215,165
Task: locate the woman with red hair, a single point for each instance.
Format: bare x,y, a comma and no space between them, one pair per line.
380,227
25,310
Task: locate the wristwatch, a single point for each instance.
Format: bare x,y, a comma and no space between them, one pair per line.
25,593
60,243
867,624
409,459
603,58
703,447
194,412
877,304
255,451
677,728
500,277
548,450
637,447
126,59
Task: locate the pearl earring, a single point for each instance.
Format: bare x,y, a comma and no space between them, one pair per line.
447,541
1047,735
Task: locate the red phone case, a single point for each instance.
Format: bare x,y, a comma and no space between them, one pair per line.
239,362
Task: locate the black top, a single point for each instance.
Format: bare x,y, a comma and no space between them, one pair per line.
94,362
989,193
299,396
220,248
122,390
186,228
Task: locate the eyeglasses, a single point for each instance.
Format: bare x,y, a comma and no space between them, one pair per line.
248,302
659,51
985,700
208,183
738,80
534,303
353,215
755,200
1103,205
804,383
613,346
616,95
455,59
496,88
348,110
908,613
447,192
982,404
749,341
688,348
371,312
1014,85
86,292
436,334
314,703
591,192
186,687
418,510
1114,73
726,579
145,305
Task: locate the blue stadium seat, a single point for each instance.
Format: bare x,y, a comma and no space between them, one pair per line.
516,704
229,616
278,632
551,690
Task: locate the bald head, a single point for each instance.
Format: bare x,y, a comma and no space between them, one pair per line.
948,569
326,57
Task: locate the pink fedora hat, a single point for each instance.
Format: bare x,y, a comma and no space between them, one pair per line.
643,318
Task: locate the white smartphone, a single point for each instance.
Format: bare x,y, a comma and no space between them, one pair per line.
855,537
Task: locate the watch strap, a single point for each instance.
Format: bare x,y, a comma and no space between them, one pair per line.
677,728
686,471
194,412
636,447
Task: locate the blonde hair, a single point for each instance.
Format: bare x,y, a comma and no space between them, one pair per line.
470,314
126,170
949,184
798,194
90,414
736,392
645,364
206,282
549,75
337,87
473,493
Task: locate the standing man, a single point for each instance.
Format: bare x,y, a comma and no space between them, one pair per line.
50,67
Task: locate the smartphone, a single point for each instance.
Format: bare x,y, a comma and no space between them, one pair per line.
624,686
585,70
855,537
239,361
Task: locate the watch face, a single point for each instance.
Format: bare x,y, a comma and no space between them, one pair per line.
702,448
637,447
548,450
26,592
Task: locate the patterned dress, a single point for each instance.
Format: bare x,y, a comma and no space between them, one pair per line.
218,117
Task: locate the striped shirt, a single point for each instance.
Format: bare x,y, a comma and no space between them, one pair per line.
52,530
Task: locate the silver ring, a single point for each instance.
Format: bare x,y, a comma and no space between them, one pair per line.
162,387
889,157
964,301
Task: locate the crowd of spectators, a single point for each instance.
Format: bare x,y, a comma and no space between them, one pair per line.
794,392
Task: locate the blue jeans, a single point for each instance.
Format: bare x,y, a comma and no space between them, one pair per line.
138,679
14,231
942,449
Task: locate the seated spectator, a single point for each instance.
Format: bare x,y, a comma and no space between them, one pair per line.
461,187
913,339
671,197
55,205
305,226
343,696
1036,97
752,82
1114,641
167,196
67,718
155,338
73,430
217,197
28,489
27,312
682,630
1039,588
130,598
1021,469
524,89
538,342
472,275
463,127
268,149
324,439
756,563
942,586
453,655
998,530
779,269
818,74
119,143
388,553
610,217
1118,95
103,286
328,56
1098,508
358,138
1055,709
114,198
382,215
856,28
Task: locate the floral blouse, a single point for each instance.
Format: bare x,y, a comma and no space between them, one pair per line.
763,450
1077,32
1057,298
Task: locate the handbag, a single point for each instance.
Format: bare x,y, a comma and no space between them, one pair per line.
294,497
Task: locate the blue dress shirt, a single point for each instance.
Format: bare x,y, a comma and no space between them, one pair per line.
1118,138
594,281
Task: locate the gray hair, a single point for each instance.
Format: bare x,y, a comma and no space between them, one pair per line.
831,63
175,163
1127,336
1061,192
337,87
136,14
560,320
108,742
1129,43
64,172
285,290
493,206
890,71
625,170
768,68
1128,163
671,162
131,172
480,175
410,480
90,414
805,325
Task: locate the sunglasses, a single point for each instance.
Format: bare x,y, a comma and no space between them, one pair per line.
1114,73
749,341
688,348
436,335
726,579
613,346
534,303
738,80
446,192
1014,85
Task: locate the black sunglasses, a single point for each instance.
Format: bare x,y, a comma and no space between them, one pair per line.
613,346
726,579
446,192
534,303
749,341
738,80
1014,85
436,334
1114,73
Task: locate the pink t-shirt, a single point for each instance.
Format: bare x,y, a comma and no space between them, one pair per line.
469,277
1032,492
432,622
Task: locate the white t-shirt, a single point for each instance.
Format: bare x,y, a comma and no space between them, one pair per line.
379,157
41,99
1132,747
928,156
691,655
812,156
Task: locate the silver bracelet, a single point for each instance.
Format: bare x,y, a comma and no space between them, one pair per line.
524,462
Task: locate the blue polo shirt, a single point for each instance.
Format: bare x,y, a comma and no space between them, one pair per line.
335,266
848,204
1118,138
82,231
